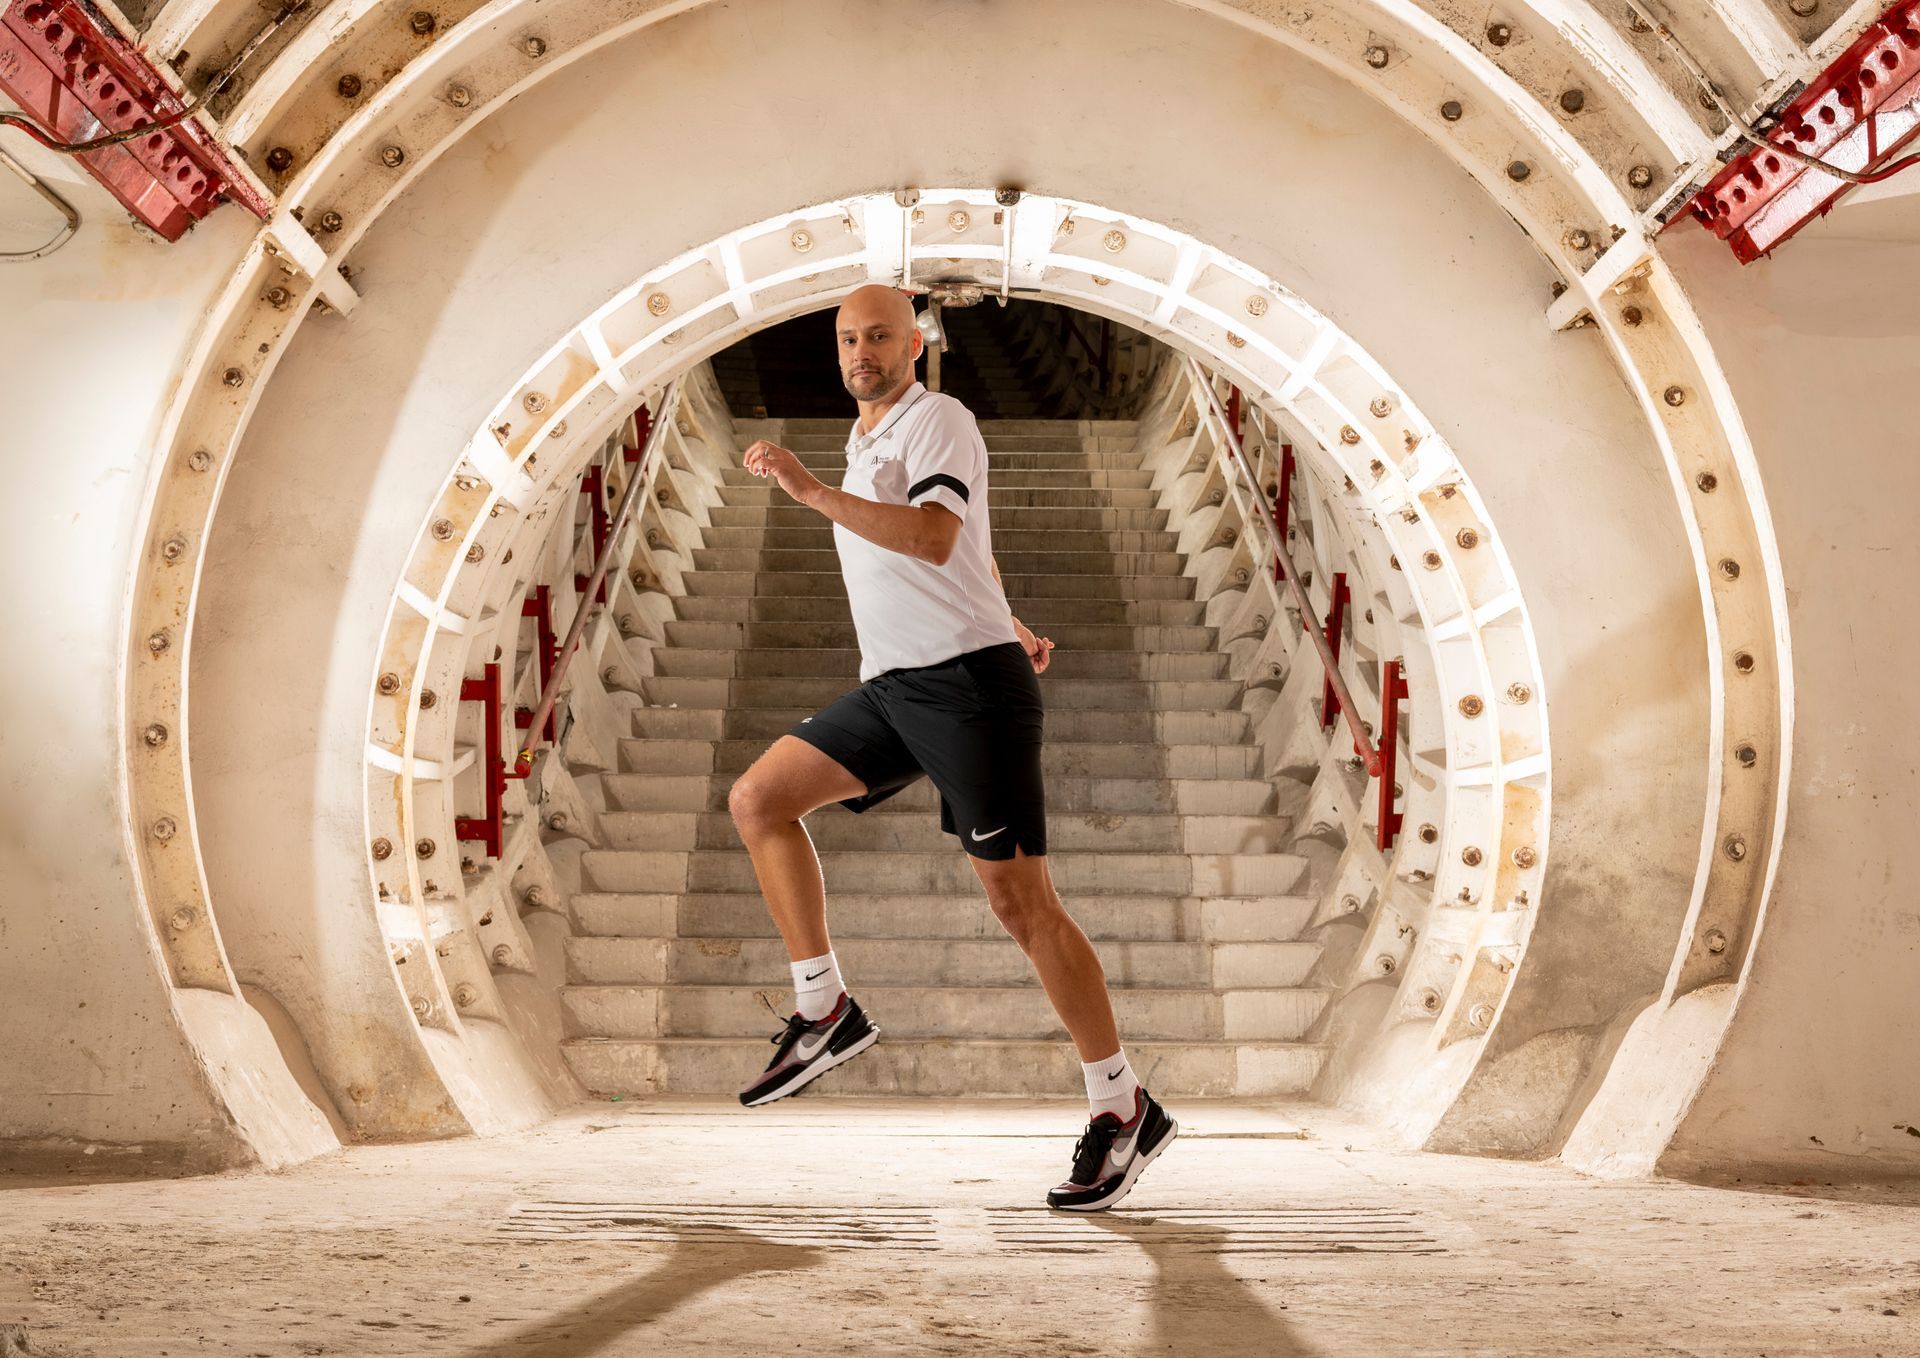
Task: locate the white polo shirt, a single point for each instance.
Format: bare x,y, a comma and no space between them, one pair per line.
908,612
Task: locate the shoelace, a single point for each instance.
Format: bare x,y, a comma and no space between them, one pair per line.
1090,1152
793,1023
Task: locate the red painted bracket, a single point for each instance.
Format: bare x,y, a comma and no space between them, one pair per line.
1336,624
71,71
1283,504
1393,692
592,482
490,828
540,609
1855,114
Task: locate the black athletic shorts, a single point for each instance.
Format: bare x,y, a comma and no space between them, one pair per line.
972,724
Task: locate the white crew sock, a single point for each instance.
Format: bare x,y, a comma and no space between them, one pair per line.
1111,1085
817,986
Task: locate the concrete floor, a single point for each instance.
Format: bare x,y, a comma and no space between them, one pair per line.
853,1227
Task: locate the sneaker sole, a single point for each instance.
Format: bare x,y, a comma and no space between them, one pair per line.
1140,1162
802,1078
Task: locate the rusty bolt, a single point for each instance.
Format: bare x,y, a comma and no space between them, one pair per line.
1241,576
959,219
422,1007
1384,964
534,47
1640,177
534,401
1235,340
158,642
155,735
392,157
1674,396
1572,101
1715,940
1378,57
1734,847
1707,482
1430,559
348,86
1350,905
183,919
1429,833
1747,755
801,241
558,430
427,699
1256,305
1451,110
1499,34
1393,563
382,850
1350,436
1743,661
466,995
1524,857
1519,693
1467,538
1729,568
442,530
173,548
558,821
1218,495
232,377
1430,1001
1115,241
1471,706
280,160
1379,407
199,459
422,22
278,297
1518,170
423,849
1804,8
1631,315
502,954
536,896
389,683
659,303
1481,1015
1578,239
475,554
163,829
459,95
331,221
1636,23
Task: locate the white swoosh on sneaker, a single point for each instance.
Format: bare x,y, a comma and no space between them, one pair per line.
806,1052
977,836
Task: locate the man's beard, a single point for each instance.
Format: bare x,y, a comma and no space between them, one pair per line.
871,386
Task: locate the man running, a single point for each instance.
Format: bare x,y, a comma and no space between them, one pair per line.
948,690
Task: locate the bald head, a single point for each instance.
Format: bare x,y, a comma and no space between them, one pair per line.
877,341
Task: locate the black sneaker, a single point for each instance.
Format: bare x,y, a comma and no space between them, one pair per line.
1110,1155
804,1051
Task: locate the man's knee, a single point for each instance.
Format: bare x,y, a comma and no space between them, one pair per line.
1024,908
752,803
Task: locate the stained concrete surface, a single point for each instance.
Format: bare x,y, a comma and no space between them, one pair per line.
824,1225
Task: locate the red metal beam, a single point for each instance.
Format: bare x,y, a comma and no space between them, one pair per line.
1855,115
540,609
592,483
71,71
1336,624
489,828
1283,503
1393,692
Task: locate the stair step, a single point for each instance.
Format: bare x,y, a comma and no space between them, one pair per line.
1191,966
856,915
1090,516
1085,636
1036,613
1063,723
1179,874
1212,695
818,536
919,831
765,493
999,474
818,559
843,662
946,1067
1058,758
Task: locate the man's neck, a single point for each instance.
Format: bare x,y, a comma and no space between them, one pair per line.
872,412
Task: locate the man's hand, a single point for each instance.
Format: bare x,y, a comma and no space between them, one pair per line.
1039,650
770,459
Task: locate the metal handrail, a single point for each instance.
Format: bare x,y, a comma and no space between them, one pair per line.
636,480
1362,742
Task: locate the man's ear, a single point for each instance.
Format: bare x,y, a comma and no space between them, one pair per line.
916,346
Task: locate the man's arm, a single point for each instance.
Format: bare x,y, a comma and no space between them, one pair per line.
927,532
1039,649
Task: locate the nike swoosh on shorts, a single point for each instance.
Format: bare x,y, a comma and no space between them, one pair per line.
977,836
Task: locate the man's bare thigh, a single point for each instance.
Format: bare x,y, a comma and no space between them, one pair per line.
794,778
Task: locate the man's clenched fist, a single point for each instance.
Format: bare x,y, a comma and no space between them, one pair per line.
770,459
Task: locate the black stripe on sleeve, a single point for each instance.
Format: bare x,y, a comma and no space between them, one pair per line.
926,483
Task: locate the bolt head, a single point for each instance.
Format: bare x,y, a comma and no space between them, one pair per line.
392,157
1715,941
1519,693
348,86
173,548
1380,407
1384,964
659,303
466,995
801,241
1640,177
959,219
1467,538
423,849
199,459
1572,101
1729,568
158,642
1743,661
422,1007
331,221
1499,35
1257,305
183,919
1631,315
475,554
1235,340
1707,482
1524,857
1481,1016
1430,1001
1350,436
1804,8
1747,755
280,160
1429,833
1452,110
163,829
382,850
1518,170
1430,559
1115,241
427,699
442,530
232,377
1579,240
1734,847
534,47
1378,57
502,954
1471,706
389,683
1674,396
422,22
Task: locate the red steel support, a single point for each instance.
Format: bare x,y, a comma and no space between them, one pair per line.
1233,411
80,79
1283,502
1336,624
1854,115
591,483
491,827
540,609
1393,692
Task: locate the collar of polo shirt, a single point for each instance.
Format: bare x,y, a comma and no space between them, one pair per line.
913,393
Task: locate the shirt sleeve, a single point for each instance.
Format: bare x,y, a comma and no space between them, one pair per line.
947,464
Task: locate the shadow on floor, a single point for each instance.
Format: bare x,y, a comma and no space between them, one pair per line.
1199,1305
717,1257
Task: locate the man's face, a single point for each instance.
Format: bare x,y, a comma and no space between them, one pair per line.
878,345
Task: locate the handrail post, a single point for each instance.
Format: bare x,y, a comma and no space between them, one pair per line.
1362,741
1393,691
1283,500
1336,627
489,828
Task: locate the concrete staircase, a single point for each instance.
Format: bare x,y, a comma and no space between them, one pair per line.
1162,835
